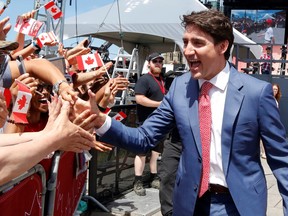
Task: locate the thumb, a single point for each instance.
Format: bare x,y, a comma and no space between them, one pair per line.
93,103
65,109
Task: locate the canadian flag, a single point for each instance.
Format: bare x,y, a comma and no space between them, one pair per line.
22,103
29,27
86,62
120,116
46,38
54,11
7,94
107,111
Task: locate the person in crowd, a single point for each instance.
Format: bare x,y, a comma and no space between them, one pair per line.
21,151
149,92
221,115
269,33
266,67
277,93
167,171
40,68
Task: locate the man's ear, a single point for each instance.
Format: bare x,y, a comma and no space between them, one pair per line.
223,46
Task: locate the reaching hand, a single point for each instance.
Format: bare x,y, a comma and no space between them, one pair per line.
67,93
70,136
25,79
85,120
29,14
4,28
101,117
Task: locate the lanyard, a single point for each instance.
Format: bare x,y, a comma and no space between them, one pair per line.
160,84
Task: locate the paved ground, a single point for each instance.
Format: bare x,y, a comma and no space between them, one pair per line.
133,205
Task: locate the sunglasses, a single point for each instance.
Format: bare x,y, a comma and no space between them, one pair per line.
41,87
157,61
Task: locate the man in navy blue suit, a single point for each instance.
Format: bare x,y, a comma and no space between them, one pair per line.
243,111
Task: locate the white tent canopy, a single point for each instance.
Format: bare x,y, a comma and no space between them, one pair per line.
151,25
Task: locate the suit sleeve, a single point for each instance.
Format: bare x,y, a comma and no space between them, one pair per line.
273,136
145,137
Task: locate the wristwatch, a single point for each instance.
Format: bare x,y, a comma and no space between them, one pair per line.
57,85
35,46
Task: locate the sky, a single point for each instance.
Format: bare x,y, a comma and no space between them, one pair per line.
18,7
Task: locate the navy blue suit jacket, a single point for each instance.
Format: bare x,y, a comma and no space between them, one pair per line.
250,114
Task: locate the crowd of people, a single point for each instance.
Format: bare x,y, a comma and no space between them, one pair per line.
58,117
215,116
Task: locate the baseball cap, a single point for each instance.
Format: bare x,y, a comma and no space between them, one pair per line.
269,21
8,45
154,56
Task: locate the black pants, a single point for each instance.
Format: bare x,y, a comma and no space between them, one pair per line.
167,172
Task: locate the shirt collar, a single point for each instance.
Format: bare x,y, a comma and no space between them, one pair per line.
220,80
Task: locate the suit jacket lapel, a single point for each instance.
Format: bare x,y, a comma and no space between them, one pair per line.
233,104
192,95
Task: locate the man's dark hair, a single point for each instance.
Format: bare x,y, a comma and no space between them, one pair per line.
213,23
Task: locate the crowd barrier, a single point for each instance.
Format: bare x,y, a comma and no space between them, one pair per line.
24,195
53,187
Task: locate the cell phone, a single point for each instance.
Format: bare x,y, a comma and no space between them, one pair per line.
88,41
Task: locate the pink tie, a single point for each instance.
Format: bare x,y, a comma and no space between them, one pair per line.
205,133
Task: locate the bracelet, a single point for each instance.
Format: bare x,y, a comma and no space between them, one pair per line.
102,109
11,121
35,46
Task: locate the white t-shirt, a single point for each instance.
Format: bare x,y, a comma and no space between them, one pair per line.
268,35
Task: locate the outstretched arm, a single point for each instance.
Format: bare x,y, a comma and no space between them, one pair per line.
59,133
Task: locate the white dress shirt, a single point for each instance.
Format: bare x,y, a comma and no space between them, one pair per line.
217,98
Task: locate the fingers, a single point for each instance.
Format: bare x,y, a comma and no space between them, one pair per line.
79,120
88,123
103,147
7,28
65,109
3,22
86,137
69,94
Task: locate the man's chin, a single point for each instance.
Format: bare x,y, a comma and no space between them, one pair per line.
196,75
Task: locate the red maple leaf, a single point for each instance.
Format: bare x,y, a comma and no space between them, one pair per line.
89,61
42,38
26,24
54,10
21,102
118,118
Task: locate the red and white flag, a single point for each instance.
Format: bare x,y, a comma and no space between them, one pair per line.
29,27
22,103
107,111
120,116
54,11
86,62
7,94
46,38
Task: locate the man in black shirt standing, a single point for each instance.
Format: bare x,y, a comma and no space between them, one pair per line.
149,92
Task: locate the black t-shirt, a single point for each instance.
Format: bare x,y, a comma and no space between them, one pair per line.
147,86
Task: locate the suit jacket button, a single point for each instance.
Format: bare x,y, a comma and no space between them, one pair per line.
195,187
